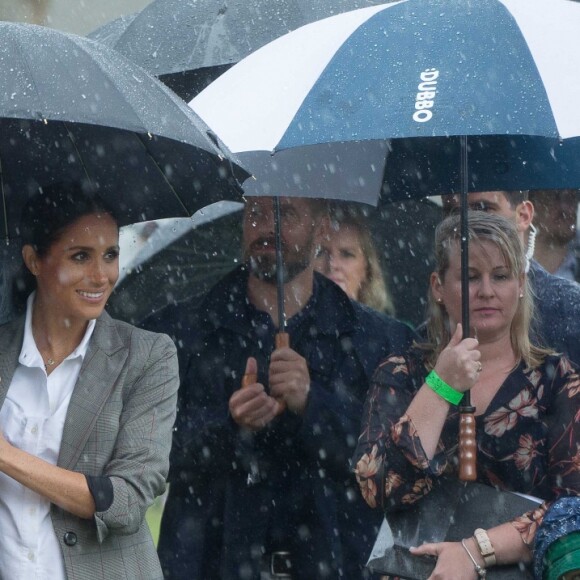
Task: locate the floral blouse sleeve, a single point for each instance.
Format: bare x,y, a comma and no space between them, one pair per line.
392,468
529,440
559,404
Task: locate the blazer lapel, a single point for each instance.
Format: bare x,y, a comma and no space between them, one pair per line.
103,363
11,339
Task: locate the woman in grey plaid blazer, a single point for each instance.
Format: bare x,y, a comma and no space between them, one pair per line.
87,406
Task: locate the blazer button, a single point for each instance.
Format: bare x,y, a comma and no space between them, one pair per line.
70,538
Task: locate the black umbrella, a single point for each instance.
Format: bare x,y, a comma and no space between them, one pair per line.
72,109
452,512
189,43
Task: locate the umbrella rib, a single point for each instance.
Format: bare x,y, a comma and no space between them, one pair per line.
4,208
80,157
162,173
140,139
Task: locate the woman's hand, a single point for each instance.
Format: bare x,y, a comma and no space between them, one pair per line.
458,364
452,561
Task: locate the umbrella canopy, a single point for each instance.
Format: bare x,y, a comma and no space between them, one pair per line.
410,99
378,99
189,43
72,109
181,260
452,513
110,32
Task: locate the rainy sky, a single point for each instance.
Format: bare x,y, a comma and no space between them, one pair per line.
77,16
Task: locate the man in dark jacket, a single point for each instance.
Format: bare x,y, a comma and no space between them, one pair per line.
557,301
260,478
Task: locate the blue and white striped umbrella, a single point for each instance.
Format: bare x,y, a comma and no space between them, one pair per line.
376,99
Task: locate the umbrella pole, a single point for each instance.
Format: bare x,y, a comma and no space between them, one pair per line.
4,212
467,441
282,338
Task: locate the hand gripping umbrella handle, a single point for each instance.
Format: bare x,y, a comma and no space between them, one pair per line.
467,446
282,339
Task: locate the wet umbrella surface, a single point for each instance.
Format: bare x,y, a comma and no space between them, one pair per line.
189,43
72,109
375,102
179,262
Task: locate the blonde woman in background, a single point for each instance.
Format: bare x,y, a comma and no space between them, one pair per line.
348,257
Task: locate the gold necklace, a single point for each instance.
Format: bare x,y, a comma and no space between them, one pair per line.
49,363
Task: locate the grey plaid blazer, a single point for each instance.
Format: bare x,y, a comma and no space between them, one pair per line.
119,424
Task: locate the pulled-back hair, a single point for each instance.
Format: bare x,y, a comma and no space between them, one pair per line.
502,233
48,213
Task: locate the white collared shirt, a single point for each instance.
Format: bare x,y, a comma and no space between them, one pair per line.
32,419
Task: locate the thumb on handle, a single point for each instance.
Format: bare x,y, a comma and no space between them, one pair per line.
457,335
251,373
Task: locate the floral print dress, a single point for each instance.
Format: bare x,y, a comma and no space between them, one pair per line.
528,439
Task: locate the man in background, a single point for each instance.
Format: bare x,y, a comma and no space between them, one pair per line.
260,482
556,213
557,301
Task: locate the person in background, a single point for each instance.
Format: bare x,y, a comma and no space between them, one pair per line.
347,256
527,401
260,484
10,264
556,213
557,314
87,405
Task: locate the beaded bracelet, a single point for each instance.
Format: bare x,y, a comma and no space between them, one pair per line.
444,390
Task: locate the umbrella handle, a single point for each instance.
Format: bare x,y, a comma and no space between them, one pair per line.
249,379
467,447
282,339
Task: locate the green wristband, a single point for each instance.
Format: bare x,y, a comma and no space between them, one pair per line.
444,390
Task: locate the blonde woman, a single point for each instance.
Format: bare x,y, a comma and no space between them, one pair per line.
527,401
347,255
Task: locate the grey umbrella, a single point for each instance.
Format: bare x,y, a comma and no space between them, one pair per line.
189,43
72,109
110,32
179,262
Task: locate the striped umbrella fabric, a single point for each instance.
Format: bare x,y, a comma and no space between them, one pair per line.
374,101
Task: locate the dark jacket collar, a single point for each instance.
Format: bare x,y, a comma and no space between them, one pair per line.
227,306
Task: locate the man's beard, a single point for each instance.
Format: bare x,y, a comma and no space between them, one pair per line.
295,260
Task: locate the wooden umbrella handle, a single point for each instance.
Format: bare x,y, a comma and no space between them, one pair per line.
249,379
282,339
467,447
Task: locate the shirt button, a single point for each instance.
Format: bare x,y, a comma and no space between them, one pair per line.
34,430
70,538
31,556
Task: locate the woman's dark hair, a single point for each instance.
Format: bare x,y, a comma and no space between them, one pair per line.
53,209
44,218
